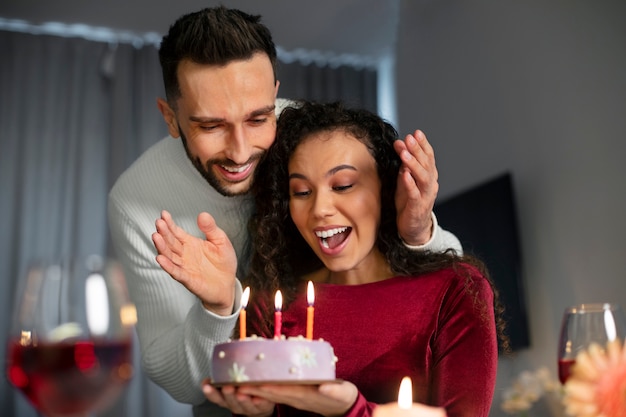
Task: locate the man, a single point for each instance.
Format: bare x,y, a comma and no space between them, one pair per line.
219,74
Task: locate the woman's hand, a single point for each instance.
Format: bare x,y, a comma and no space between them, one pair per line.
207,268
328,399
238,403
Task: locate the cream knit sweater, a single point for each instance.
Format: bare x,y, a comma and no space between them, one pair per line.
176,334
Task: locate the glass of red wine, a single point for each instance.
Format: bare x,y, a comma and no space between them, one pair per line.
69,348
584,324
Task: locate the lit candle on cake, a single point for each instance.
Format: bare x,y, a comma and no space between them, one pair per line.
405,394
278,315
310,297
242,313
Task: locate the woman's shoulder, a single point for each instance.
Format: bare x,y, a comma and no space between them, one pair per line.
458,275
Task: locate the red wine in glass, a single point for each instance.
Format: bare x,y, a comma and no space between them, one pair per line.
69,350
70,378
565,369
583,325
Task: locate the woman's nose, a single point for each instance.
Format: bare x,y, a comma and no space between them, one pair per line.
323,204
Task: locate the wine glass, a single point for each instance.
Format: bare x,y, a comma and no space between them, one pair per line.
584,324
69,348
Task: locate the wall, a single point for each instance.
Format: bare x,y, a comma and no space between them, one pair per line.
537,88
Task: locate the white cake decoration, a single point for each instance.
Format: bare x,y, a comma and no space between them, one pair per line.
308,357
238,374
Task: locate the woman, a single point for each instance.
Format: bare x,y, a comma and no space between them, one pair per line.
326,213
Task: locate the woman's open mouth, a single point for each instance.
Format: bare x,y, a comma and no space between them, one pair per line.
332,238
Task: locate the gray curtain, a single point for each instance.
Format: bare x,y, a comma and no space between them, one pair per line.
355,86
74,114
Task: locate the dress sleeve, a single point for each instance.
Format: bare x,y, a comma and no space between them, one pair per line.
465,350
361,408
176,334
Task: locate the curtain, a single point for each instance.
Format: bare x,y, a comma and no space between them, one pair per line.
355,86
74,114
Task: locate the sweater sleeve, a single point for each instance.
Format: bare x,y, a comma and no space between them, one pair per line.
176,334
440,240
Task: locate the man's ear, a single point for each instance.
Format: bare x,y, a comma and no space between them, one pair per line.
276,89
169,116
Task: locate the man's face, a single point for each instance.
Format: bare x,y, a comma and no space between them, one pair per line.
225,118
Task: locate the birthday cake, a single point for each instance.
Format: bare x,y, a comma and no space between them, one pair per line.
285,360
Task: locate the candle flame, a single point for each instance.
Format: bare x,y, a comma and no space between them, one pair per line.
128,315
244,297
405,395
278,300
310,294
26,338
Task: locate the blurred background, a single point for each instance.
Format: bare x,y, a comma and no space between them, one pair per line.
534,92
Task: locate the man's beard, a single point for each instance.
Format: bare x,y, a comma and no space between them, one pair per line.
205,170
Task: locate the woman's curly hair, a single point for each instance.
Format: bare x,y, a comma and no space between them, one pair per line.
281,256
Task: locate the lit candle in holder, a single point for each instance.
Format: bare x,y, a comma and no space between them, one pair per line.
242,313
405,406
405,394
278,315
310,297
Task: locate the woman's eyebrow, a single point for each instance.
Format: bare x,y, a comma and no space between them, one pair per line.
330,172
339,168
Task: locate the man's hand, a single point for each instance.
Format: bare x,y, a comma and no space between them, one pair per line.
417,188
206,268
243,404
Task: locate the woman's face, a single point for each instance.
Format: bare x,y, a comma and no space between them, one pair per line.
335,199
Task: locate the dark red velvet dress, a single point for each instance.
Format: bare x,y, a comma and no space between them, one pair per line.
438,328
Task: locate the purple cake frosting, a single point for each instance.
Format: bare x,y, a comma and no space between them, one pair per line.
255,360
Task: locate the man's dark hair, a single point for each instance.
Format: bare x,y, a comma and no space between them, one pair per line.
212,36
